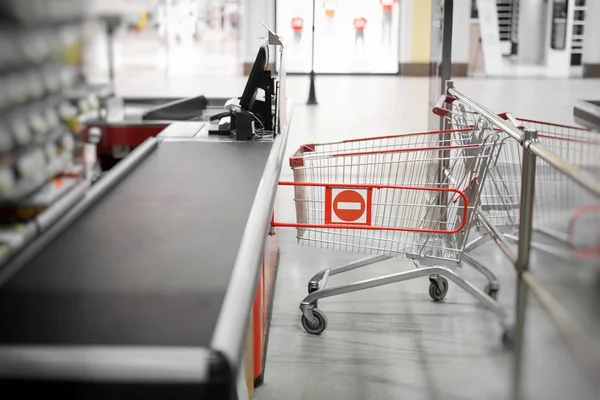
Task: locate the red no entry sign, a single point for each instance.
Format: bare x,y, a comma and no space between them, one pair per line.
347,206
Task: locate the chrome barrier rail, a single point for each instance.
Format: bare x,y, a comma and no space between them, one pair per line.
533,153
590,184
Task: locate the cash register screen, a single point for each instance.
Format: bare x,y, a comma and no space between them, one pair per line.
252,85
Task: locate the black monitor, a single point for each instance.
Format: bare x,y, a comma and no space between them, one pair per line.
254,80
245,111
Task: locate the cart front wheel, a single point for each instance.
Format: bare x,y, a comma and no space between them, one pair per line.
438,288
318,326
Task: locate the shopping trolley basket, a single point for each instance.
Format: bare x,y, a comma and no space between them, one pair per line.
560,206
410,195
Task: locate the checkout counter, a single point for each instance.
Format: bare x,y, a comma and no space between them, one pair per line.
128,122
158,282
587,113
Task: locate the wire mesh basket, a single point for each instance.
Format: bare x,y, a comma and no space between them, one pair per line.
402,195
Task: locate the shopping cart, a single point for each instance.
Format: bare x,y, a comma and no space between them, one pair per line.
562,211
410,195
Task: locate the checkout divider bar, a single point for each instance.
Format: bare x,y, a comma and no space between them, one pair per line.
231,328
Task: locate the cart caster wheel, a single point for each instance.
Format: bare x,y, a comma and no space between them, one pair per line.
438,288
319,326
493,293
508,339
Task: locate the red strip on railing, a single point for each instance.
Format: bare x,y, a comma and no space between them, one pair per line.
375,227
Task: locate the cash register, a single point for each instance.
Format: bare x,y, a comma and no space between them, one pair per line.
253,113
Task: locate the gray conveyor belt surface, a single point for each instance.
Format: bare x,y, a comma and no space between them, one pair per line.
150,262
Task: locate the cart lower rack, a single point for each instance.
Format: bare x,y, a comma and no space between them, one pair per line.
411,195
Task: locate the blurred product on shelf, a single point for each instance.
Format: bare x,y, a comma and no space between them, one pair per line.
30,13
41,138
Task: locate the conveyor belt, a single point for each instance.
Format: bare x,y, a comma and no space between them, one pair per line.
143,266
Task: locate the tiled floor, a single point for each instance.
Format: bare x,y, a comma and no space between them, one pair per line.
393,341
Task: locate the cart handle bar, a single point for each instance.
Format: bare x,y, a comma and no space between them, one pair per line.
497,120
374,227
439,109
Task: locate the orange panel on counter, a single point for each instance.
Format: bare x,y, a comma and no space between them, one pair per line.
262,305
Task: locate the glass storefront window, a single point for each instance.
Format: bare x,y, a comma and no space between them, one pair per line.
351,36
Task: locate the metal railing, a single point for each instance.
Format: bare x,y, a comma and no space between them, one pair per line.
584,348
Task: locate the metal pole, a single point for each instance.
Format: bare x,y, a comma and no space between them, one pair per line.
443,141
312,97
445,75
524,247
446,66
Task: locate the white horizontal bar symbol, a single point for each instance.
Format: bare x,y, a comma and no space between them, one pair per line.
344,205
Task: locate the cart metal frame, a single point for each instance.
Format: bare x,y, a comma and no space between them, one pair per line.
352,164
